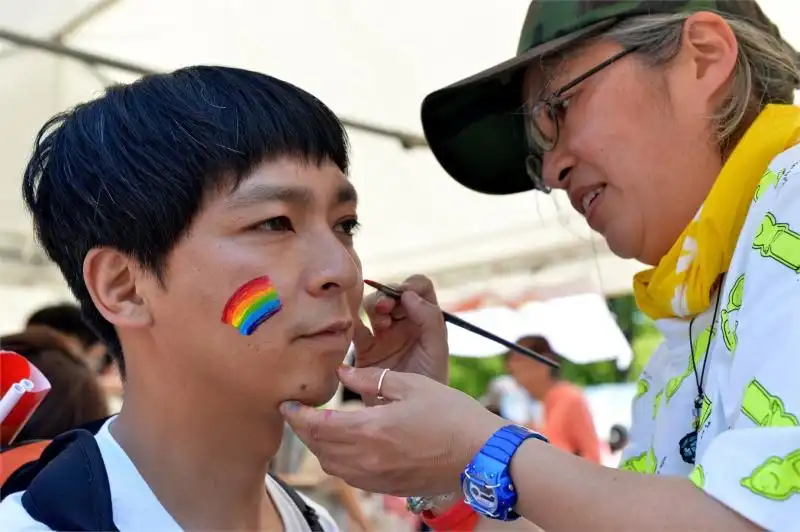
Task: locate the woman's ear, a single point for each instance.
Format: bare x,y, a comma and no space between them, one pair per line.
711,50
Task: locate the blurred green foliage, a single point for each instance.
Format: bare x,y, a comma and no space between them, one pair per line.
472,375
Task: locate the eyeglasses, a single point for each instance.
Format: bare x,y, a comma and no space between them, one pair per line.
542,124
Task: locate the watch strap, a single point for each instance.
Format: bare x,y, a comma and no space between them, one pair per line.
494,460
505,442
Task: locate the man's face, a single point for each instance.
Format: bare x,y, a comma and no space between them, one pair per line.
292,222
636,141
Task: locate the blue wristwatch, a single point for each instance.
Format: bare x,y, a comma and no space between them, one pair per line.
486,482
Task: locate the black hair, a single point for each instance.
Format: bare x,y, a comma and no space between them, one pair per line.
65,318
130,169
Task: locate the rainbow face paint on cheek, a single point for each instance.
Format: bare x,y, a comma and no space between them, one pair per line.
251,305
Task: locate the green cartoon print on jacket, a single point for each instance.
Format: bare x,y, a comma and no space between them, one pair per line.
727,323
777,478
698,476
777,241
769,178
765,409
643,463
642,387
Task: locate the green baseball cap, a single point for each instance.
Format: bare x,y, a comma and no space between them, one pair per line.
475,127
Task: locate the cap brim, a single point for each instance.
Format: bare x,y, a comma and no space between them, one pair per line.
475,127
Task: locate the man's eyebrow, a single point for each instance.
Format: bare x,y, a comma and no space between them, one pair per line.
249,195
259,193
346,194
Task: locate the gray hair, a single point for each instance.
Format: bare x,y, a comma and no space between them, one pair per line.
766,68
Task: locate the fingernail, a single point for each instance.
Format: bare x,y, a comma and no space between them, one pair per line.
290,406
345,369
413,297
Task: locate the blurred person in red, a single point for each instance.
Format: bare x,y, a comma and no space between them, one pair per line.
565,417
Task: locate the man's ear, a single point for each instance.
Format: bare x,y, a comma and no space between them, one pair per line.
710,46
111,279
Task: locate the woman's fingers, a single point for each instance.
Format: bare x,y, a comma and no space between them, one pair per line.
422,286
417,443
379,304
321,427
375,382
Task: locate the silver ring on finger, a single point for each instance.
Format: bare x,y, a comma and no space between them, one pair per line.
380,396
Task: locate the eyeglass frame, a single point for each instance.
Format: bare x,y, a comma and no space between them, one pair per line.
535,159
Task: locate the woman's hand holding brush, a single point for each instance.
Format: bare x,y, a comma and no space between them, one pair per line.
408,333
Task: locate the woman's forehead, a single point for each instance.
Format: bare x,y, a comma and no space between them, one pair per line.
551,72
542,77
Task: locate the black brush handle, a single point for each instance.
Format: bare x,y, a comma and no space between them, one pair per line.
458,322
455,320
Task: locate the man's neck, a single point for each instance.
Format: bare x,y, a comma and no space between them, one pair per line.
205,460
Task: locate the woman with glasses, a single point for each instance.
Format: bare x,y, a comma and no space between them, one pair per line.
670,126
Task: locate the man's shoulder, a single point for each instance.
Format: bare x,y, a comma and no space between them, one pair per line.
325,518
13,516
282,498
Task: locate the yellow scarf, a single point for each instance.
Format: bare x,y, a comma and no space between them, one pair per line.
682,283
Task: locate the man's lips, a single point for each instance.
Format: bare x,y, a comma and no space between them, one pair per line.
334,330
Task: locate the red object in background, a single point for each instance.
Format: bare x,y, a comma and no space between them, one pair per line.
14,368
459,517
397,506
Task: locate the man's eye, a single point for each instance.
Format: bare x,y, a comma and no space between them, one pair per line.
348,227
279,223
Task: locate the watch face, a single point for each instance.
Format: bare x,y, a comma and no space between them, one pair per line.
480,496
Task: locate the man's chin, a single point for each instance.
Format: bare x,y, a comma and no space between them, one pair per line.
318,395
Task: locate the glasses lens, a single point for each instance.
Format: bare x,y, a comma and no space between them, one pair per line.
543,127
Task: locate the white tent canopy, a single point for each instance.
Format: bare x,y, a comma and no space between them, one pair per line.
579,327
372,61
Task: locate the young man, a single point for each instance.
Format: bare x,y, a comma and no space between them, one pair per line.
204,221
565,416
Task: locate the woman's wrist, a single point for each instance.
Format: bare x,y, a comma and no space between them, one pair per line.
478,433
449,512
444,504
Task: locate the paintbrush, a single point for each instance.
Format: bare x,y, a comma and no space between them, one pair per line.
458,322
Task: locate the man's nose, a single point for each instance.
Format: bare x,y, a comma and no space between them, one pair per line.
332,268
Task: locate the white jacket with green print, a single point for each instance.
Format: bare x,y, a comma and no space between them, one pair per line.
748,448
